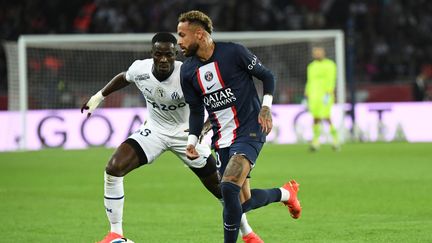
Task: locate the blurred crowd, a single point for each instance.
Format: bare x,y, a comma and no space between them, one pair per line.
392,38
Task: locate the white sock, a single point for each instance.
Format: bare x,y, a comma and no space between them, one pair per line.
285,195
114,200
245,228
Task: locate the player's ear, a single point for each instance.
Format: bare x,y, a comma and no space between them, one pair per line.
199,33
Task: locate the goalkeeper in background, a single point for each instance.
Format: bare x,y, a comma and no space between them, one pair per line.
319,93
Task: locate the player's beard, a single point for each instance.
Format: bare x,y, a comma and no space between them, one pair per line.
191,50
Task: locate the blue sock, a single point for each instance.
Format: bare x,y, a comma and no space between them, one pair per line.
232,211
261,197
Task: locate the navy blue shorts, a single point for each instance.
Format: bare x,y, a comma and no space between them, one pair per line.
250,150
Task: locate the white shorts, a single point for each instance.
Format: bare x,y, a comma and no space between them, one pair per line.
154,142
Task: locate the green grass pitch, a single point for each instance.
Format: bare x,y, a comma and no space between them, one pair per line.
374,192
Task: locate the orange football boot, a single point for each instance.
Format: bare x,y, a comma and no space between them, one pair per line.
110,236
252,238
293,203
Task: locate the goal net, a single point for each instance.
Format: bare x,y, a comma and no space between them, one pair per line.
62,71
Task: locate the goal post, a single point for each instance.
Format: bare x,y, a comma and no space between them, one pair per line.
59,71
331,40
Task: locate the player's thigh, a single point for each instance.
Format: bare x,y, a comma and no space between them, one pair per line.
326,111
249,150
150,141
127,157
315,108
178,144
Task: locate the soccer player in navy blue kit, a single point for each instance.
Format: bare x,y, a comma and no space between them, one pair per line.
163,130
218,76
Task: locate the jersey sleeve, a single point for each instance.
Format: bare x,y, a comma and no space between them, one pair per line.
192,97
308,88
331,77
254,67
132,72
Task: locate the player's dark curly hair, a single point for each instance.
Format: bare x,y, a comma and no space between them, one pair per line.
164,37
199,18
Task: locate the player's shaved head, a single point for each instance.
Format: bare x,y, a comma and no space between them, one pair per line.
164,37
195,17
318,52
164,53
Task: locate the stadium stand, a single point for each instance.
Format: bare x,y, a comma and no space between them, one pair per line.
393,38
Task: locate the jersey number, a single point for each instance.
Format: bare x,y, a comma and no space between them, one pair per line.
145,132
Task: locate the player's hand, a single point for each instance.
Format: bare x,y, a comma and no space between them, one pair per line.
191,152
265,119
92,103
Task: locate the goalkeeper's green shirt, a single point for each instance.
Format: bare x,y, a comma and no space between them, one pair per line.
321,79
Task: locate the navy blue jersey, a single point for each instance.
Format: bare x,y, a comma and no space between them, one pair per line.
224,86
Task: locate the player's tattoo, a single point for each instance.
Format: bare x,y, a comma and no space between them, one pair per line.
235,168
265,113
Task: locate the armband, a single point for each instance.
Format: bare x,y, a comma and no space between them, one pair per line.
192,139
267,100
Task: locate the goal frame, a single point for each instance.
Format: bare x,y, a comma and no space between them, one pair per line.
25,40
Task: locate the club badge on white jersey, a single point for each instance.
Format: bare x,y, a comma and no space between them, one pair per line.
165,101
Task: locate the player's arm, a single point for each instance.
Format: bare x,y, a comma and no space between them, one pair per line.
204,131
308,85
206,128
196,115
256,69
329,68
331,77
118,82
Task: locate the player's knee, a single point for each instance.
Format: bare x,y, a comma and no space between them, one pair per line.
115,167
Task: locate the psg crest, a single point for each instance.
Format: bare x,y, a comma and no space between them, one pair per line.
208,76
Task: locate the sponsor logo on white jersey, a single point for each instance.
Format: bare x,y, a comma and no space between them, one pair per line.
141,77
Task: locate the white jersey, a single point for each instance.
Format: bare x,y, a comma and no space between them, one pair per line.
168,115
166,105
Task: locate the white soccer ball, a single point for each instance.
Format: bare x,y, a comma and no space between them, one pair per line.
120,240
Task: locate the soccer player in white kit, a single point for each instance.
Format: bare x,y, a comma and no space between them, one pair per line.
158,78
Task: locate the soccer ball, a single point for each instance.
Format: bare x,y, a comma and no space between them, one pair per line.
120,240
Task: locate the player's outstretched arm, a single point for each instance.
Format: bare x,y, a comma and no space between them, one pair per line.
116,83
